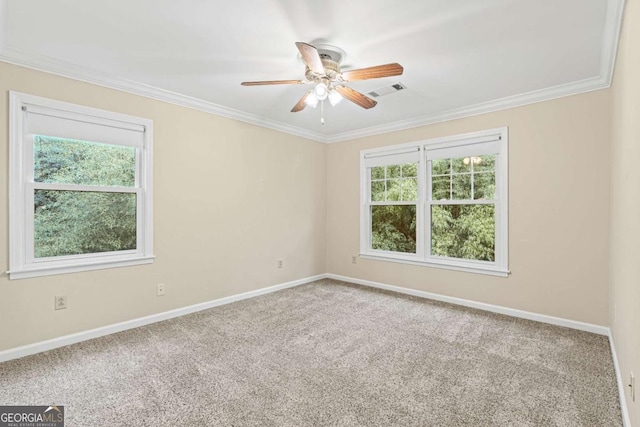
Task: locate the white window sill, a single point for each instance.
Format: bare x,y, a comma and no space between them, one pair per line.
87,265
445,264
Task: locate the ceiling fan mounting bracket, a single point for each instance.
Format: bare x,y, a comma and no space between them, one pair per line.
331,52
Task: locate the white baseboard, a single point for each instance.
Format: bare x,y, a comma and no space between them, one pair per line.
596,329
29,349
622,387
15,353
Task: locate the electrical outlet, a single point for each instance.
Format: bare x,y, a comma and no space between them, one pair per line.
354,259
61,302
160,289
280,263
632,387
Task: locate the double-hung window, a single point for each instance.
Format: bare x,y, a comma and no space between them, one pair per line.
80,191
440,202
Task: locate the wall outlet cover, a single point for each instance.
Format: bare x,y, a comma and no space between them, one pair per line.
60,302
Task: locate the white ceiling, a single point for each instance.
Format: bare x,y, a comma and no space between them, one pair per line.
460,57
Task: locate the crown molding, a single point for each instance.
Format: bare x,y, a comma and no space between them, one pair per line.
533,97
77,72
611,33
610,38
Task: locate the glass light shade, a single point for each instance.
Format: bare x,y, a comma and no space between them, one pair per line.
334,97
321,91
311,100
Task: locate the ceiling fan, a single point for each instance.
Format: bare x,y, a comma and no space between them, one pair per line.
323,70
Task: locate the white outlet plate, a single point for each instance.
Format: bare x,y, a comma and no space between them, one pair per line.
60,302
280,263
160,289
354,259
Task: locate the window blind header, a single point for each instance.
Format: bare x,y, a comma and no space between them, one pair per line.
465,150
64,124
392,157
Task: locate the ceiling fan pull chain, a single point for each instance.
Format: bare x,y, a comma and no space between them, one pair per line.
322,112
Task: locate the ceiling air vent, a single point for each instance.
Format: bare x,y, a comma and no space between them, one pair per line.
387,90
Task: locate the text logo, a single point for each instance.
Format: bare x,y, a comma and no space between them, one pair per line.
32,416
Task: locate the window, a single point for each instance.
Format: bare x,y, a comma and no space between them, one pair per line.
439,202
80,192
394,198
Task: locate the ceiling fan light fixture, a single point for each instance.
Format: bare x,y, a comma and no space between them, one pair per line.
321,91
334,97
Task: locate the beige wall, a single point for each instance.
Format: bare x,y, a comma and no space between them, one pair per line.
625,205
558,211
230,199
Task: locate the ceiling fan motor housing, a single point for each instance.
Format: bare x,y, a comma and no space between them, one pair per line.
331,57
331,69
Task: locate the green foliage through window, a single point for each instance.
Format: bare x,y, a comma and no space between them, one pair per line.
393,228
465,178
80,222
70,222
66,161
458,229
463,231
394,183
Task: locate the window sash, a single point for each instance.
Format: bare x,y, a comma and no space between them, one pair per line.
141,164
428,249
392,203
73,187
370,237
31,188
461,202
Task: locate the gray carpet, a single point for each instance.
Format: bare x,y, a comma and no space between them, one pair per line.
327,353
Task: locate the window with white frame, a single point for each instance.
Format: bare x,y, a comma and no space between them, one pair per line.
440,202
80,190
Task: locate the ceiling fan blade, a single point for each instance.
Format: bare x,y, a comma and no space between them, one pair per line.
274,82
376,72
311,57
356,97
300,105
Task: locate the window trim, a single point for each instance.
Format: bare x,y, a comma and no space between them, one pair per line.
21,261
422,257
